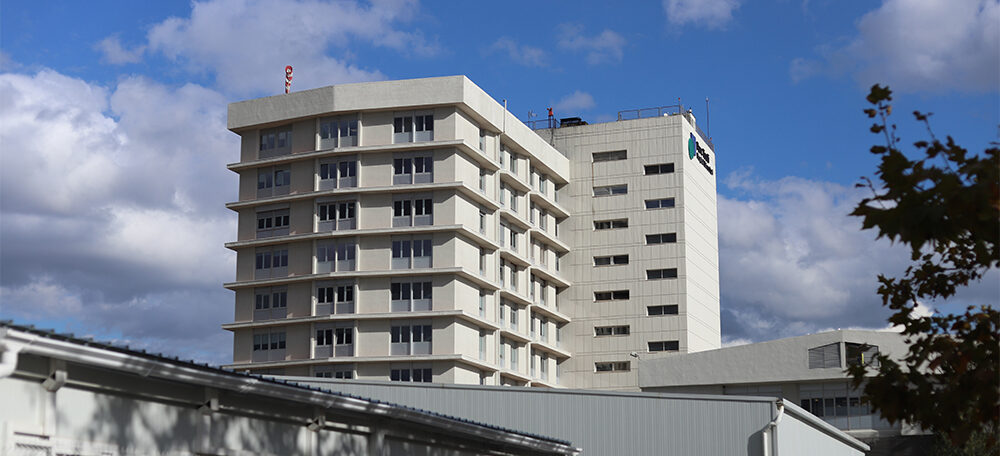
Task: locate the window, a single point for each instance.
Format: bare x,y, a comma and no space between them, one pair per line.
337,215
339,131
656,274
269,346
610,156
616,295
544,287
513,316
334,340
482,181
619,366
502,358
482,139
410,340
273,181
272,223
609,190
662,238
621,330
825,356
610,260
482,303
543,362
270,262
513,163
482,344
670,309
543,329
543,220
410,375
659,203
270,303
664,345
513,199
610,224
337,172
482,221
339,372
409,210
542,183
662,168
338,255
861,354
415,253
413,126
413,170
275,141
513,356
482,261
411,296
334,298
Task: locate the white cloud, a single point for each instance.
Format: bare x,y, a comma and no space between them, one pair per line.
113,211
576,101
801,69
924,45
113,52
605,47
712,14
522,54
793,262
247,43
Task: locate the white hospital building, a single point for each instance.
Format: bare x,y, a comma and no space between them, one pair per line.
417,231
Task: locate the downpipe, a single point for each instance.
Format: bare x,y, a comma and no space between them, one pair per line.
770,431
8,354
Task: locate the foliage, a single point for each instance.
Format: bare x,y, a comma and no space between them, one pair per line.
976,445
945,207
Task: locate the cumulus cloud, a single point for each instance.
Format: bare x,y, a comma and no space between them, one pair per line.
113,52
113,210
605,47
793,262
522,54
921,45
576,101
246,44
712,14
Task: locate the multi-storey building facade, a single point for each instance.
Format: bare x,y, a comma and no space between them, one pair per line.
416,231
644,244
404,230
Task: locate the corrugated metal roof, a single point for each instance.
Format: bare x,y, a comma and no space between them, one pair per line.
125,349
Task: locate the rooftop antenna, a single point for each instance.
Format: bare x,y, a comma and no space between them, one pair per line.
288,78
708,122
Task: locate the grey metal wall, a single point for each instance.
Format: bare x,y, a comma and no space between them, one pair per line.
599,422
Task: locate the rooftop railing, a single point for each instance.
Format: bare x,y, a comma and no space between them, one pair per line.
628,114
659,111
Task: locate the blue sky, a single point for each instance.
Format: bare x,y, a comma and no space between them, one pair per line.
130,98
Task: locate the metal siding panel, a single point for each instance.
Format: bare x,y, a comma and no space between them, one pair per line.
597,422
797,437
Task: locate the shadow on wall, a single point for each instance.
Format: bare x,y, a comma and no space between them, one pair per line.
134,423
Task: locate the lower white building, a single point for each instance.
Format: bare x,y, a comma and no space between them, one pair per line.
809,371
60,395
